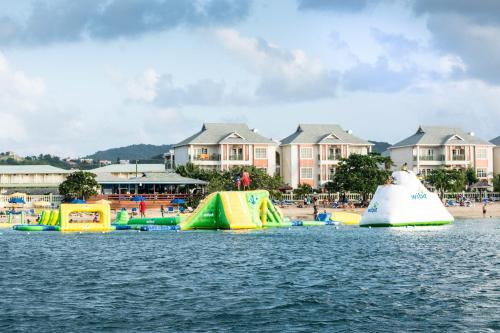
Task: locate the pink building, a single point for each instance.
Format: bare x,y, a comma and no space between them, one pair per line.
311,154
222,146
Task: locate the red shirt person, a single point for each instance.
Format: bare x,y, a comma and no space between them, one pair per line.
142,208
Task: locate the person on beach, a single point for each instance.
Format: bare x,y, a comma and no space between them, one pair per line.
162,211
404,167
315,212
142,208
238,183
484,208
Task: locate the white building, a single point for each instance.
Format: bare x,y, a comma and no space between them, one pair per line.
496,155
433,147
34,179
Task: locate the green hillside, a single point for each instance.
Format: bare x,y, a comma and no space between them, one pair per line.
133,152
379,147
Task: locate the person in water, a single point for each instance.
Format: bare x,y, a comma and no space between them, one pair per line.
404,167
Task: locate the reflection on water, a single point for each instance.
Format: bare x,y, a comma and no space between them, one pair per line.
314,279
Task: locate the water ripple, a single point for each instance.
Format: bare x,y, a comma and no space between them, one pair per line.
294,280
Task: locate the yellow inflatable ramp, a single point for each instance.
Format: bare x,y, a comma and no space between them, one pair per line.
236,210
346,218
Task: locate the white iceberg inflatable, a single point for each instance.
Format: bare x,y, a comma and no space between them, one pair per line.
406,202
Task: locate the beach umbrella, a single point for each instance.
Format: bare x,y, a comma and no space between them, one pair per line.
16,200
77,201
18,195
41,204
178,201
103,201
137,198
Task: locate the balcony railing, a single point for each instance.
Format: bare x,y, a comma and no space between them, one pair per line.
206,157
333,157
430,158
235,158
458,158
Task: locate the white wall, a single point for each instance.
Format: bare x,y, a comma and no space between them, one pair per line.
496,160
402,155
181,155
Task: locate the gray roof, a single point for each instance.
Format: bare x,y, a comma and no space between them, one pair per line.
152,178
31,169
129,168
314,133
438,135
212,133
496,141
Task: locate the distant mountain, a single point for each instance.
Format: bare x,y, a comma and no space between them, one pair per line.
133,152
379,147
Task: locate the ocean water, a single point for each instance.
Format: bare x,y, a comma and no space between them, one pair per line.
317,279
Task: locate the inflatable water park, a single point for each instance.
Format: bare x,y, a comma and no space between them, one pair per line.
405,202
402,202
231,210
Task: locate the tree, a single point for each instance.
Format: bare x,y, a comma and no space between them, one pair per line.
79,185
303,189
470,176
447,180
361,174
496,183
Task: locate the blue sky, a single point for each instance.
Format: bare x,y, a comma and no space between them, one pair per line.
81,76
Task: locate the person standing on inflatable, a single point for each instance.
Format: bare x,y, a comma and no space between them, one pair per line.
142,208
245,179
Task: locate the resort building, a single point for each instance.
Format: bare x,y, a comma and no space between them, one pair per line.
123,179
32,179
433,147
496,155
311,154
223,146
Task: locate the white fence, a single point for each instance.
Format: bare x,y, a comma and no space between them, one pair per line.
356,197
29,199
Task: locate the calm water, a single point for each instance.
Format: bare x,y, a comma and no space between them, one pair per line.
295,280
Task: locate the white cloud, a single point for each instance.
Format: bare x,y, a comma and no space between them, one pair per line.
285,75
143,87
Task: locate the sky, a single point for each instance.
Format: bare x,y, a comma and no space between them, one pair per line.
82,76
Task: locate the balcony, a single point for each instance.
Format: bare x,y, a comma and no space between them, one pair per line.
438,158
458,158
206,157
236,158
333,157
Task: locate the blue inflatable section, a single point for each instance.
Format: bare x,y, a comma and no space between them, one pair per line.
160,228
121,227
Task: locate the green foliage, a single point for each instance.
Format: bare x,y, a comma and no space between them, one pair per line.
38,160
330,187
496,183
226,180
133,152
303,189
470,176
361,174
79,185
447,180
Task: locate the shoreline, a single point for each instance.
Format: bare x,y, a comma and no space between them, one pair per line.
474,212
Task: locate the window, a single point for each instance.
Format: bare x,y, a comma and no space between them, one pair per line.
306,173
482,173
261,153
331,173
306,153
481,154
357,150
